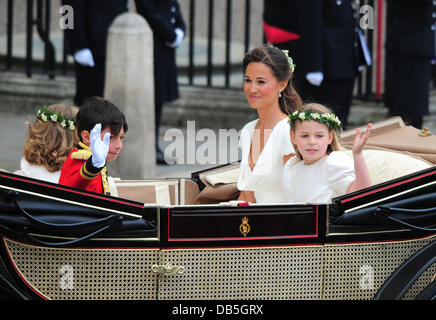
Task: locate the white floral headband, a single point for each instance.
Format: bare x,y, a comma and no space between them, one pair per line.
329,119
45,115
290,61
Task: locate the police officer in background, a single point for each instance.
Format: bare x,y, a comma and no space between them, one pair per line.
87,43
410,47
322,37
166,21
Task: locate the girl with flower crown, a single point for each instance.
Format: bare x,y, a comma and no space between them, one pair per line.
266,142
50,138
318,172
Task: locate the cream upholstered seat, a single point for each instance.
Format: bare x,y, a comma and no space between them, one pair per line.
164,192
226,177
387,165
382,165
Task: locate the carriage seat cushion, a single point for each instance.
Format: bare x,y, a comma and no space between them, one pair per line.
382,165
163,192
226,177
386,165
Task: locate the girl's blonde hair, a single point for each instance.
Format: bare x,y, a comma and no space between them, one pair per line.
48,143
320,109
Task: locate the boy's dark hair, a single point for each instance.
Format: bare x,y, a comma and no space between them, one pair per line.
98,110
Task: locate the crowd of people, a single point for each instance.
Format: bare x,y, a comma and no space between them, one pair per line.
300,85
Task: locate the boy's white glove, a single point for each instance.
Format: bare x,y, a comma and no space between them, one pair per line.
99,148
84,57
179,37
315,78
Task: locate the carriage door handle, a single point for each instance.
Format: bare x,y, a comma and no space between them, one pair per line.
168,269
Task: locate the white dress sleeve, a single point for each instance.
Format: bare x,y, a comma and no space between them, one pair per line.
287,178
340,172
284,142
244,144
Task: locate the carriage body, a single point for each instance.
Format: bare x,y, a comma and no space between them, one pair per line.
150,241
226,251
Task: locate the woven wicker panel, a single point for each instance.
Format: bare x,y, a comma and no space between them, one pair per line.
421,283
348,267
249,273
86,273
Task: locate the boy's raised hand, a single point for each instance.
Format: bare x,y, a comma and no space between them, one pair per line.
99,148
360,139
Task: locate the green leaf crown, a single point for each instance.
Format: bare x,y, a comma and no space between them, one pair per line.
290,61
329,119
46,115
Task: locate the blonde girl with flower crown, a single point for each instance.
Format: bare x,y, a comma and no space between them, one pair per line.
50,138
319,172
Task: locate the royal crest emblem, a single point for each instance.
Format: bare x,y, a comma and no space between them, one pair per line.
244,228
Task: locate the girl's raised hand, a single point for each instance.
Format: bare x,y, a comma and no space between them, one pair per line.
360,139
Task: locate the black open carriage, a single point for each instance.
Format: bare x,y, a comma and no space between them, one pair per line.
62,243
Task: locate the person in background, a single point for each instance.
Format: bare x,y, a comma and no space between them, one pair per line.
266,142
280,23
323,38
101,128
410,48
87,43
50,138
168,26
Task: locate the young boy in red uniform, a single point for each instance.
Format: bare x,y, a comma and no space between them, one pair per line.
101,128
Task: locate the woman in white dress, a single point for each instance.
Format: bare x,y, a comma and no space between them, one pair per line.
265,142
50,138
319,172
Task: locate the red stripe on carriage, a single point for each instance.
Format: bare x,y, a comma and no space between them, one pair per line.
74,191
388,187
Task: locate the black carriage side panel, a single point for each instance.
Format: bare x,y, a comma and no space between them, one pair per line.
30,207
417,183
242,225
405,204
9,181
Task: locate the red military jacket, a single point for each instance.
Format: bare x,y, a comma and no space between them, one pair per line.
78,171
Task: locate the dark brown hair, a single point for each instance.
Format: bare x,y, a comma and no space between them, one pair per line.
277,60
99,110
